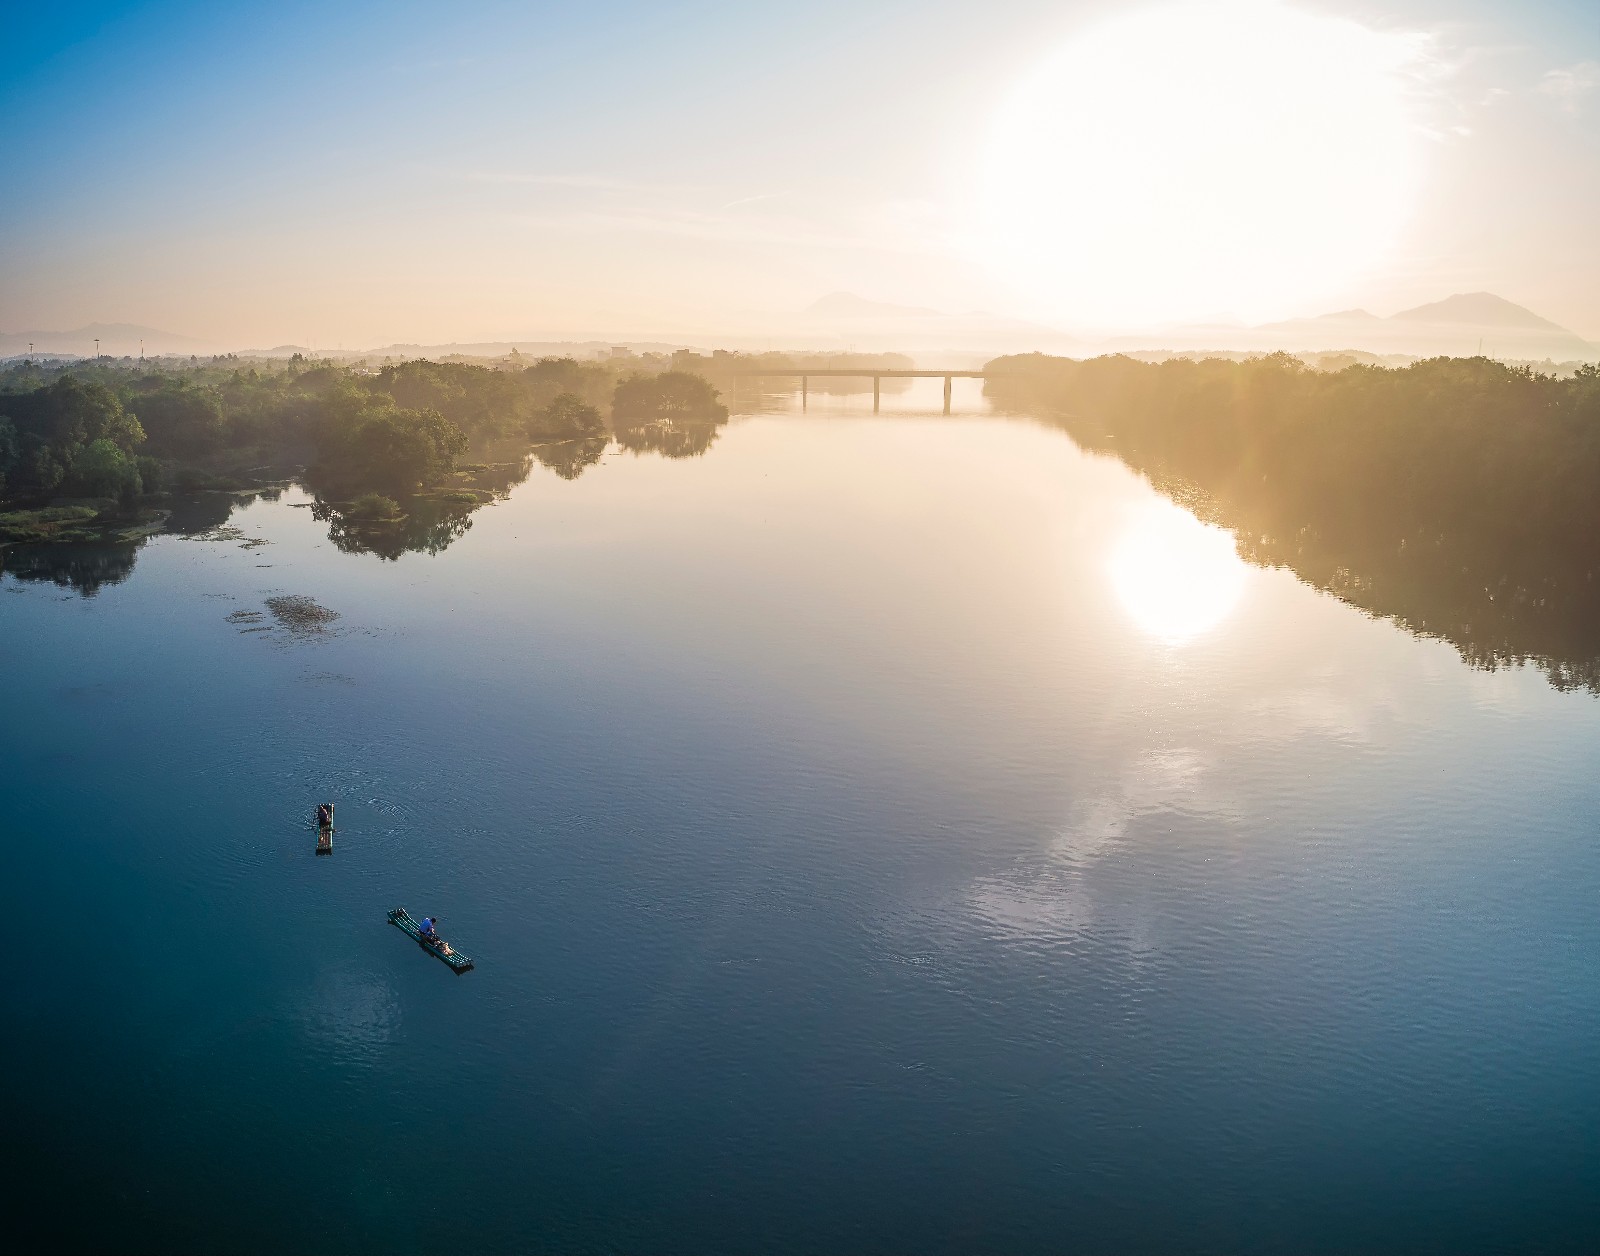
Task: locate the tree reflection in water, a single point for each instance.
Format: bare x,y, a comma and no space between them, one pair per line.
671,438
571,458
429,522
427,527
201,512
1497,610
84,567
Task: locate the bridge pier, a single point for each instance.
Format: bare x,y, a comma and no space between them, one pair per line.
804,393
947,394
877,384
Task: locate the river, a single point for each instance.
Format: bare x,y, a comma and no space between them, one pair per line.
884,833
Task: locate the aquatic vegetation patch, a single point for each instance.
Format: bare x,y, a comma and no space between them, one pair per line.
250,621
221,533
301,615
227,532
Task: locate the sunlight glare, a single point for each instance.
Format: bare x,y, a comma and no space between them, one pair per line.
1226,158
1175,576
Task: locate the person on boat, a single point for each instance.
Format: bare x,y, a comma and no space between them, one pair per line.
426,929
324,815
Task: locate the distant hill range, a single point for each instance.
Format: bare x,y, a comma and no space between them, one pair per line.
1459,326
116,339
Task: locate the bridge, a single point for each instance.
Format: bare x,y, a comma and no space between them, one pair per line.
877,374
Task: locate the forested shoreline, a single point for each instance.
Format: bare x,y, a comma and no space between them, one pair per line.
1459,497
95,449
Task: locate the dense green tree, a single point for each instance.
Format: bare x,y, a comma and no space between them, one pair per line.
482,402
103,470
9,452
54,424
384,447
669,395
567,417
68,414
549,378
180,418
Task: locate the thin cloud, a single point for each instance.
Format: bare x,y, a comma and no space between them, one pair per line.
1569,87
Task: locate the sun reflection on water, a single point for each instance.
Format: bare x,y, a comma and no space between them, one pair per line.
1176,577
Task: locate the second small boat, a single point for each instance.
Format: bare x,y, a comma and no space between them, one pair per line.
458,962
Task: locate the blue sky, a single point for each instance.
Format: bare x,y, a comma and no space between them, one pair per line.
362,173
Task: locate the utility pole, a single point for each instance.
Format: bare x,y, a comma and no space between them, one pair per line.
97,346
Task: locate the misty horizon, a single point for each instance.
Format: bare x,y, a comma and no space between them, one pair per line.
1463,324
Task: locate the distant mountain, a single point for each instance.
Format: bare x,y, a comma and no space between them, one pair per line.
116,339
1346,316
849,305
1480,309
502,348
1460,325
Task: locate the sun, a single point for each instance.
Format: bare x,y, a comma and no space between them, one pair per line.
1231,158
1177,578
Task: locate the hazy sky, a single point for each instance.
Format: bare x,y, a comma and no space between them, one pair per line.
358,174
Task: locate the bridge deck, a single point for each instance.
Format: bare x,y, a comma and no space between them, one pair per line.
877,376
863,373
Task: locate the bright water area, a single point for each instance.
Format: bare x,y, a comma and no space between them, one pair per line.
878,834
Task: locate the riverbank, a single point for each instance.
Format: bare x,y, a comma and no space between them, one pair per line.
80,521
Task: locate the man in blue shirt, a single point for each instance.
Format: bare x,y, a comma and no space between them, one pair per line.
427,931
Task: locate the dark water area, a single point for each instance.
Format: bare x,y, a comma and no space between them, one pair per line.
873,834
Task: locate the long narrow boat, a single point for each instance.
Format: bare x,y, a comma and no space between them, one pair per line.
458,962
325,828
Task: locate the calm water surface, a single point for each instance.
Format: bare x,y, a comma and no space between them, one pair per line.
897,834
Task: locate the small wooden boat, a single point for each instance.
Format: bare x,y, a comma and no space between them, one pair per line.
325,828
458,962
